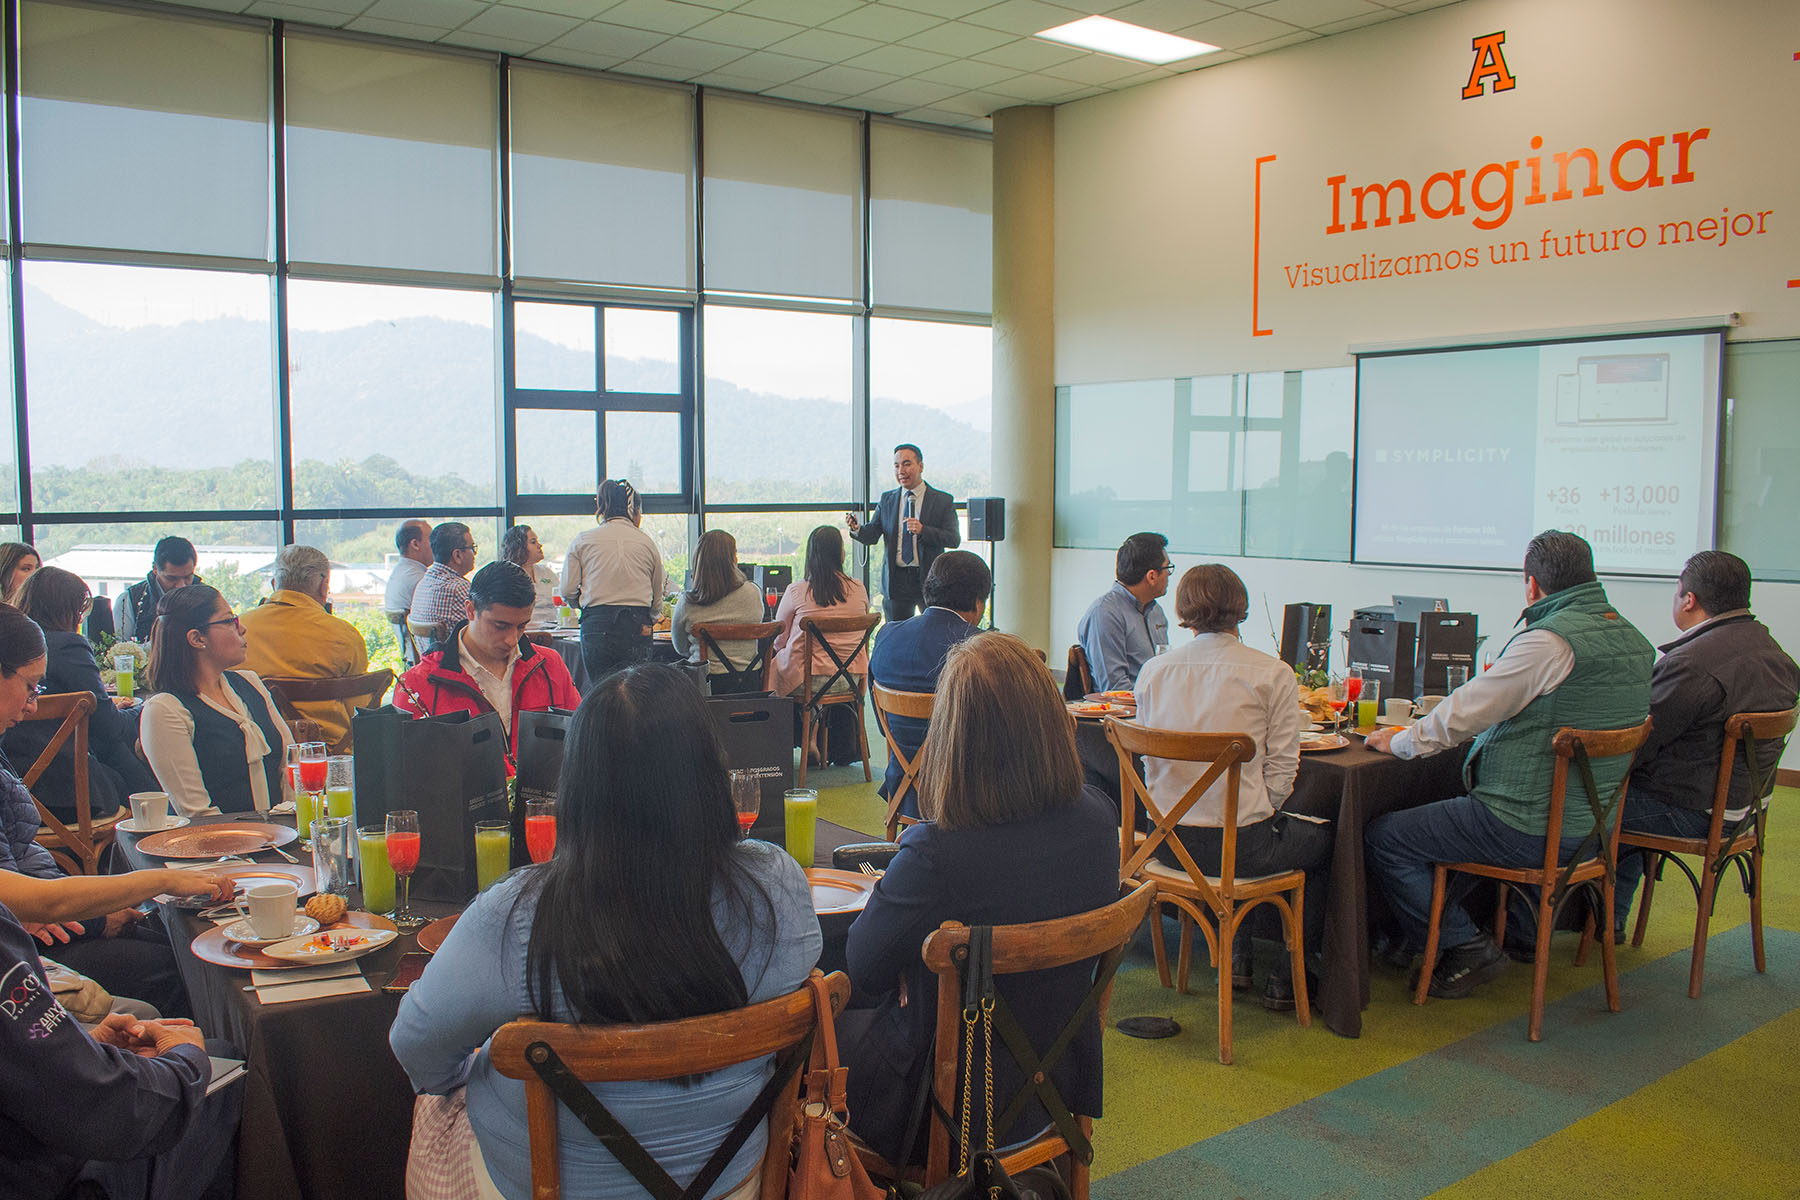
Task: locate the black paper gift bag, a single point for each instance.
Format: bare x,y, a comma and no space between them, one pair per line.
451,770
542,736
758,735
1383,648
1445,640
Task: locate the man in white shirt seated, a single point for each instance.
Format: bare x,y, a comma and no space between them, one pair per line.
413,541
1216,684
1578,663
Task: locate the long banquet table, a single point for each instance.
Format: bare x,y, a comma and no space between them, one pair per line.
1351,787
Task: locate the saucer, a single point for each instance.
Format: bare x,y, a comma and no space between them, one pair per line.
128,825
244,934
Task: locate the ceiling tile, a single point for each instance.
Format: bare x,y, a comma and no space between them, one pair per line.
396,29
806,95
599,37
958,39
883,22
1029,54
847,80
1373,17
1169,15
228,6
909,93
520,24
444,15
751,33
341,8
721,5
898,60
1037,89
1413,6
691,53
826,47
297,12
475,40
1096,69
1308,13
650,70
659,16
975,104
800,12
767,67
576,58
582,9
948,9
1024,17
934,116
965,74
1237,30
728,82
1281,43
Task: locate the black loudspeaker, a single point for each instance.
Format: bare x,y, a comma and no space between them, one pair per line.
773,577
987,518
1306,636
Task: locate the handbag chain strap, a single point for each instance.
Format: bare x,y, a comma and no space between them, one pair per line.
978,1009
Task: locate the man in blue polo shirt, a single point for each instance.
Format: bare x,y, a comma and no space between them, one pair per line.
1125,628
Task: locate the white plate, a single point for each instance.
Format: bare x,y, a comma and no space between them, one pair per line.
245,935
130,826
296,949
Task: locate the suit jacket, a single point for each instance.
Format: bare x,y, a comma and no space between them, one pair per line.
908,656
938,532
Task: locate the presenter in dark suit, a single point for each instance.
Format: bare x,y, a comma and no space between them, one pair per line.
919,523
909,654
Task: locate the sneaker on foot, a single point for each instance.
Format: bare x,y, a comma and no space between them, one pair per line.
1462,969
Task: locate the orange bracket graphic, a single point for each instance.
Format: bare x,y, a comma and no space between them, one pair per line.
1256,329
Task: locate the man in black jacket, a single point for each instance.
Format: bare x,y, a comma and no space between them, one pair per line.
172,566
1725,662
919,523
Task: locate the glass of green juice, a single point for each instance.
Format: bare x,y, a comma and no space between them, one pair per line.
801,808
493,851
124,668
340,785
377,876
308,807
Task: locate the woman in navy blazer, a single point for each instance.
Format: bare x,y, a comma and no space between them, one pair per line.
1012,836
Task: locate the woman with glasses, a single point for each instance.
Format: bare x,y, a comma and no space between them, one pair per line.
58,600
212,734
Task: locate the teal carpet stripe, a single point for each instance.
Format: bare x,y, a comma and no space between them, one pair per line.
1421,1126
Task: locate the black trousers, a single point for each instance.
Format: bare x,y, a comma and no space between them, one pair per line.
905,592
613,637
1276,843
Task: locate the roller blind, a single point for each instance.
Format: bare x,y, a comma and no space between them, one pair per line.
931,219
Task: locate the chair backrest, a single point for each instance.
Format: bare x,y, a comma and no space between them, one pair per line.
1225,754
78,844
753,676
1749,729
1078,680
1101,935
916,705
665,1050
409,645
290,691
1575,746
816,632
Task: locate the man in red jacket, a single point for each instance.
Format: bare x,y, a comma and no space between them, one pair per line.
487,664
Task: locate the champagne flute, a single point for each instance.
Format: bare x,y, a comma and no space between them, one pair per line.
746,797
540,829
403,857
1340,696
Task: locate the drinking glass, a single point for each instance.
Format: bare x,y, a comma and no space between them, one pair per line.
124,674
403,857
1353,684
1339,696
340,785
309,797
377,875
312,766
331,854
800,808
1455,677
493,851
540,829
1368,703
746,797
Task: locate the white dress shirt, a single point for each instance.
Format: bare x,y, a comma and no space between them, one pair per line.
402,583
1216,684
168,732
918,506
497,688
1534,662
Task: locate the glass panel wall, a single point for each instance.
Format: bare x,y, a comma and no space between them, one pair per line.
777,406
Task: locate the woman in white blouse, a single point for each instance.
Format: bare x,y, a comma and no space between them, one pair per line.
520,545
213,734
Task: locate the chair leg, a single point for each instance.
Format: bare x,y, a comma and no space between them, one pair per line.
1587,940
862,736
1157,947
1709,887
1186,950
1649,889
1227,932
1079,1171
1438,877
1609,953
806,731
1505,894
1540,965
1756,878
1296,939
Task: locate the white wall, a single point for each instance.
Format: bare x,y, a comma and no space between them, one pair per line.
1158,224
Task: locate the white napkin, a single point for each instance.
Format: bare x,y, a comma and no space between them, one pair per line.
308,983
280,978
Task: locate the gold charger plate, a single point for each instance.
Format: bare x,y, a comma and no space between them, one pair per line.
835,891
214,947
1336,741
216,839
432,936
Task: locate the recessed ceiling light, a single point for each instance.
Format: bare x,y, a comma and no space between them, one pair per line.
1126,41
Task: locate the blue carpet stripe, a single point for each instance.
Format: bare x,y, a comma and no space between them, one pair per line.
1415,1128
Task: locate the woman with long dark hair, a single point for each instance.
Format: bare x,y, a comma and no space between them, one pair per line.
212,734
826,590
720,595
614,574
17,562
57,600
651,909
520,546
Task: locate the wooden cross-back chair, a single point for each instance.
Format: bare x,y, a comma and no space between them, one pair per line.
1218,903
556,1060
914,706
1549,886
409,645
753,675
289,692
813,702
1101,937
1078,680
1740,842
76,847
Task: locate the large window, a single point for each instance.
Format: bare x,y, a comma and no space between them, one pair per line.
778,390
931,384
1760,487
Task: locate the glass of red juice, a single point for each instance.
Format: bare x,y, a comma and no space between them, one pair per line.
540,829
403,857
746,797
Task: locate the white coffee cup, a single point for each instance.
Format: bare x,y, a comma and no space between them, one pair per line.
149,810
1397,709
271,908
1427,703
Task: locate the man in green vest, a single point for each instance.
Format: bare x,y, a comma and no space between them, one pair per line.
1578,663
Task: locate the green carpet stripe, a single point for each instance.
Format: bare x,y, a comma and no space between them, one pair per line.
1421,1126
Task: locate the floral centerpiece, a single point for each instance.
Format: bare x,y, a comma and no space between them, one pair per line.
107,648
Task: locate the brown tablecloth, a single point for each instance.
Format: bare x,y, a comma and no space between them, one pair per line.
567,644
327,1109
1351,786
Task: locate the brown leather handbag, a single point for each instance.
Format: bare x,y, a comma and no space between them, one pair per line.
824,1166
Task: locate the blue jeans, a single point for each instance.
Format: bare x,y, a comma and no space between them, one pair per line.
1403,847
1645,815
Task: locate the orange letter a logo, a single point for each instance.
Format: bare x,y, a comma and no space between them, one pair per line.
1490,63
